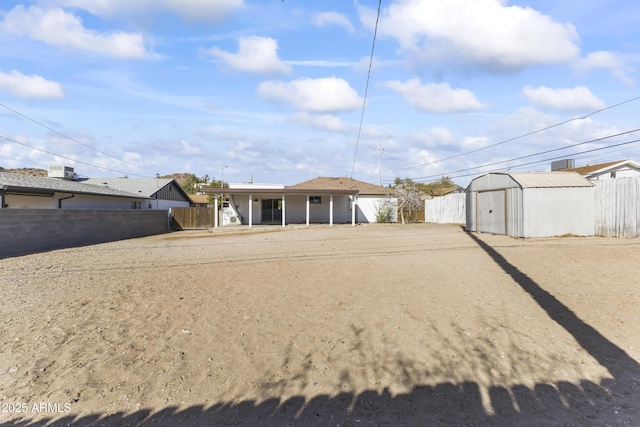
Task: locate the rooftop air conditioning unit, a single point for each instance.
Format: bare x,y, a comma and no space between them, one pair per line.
61,172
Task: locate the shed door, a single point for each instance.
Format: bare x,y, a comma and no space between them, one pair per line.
491,212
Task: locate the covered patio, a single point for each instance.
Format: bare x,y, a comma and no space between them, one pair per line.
280,205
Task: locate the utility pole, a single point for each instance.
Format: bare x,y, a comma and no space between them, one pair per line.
380,151
222,176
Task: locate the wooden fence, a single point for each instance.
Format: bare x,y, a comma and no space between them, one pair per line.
415,216
192,218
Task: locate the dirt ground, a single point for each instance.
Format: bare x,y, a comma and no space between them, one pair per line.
382,324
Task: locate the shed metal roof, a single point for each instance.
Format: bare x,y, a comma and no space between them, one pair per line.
549,179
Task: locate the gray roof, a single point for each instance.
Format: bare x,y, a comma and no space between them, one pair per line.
23,183
549,179
141,186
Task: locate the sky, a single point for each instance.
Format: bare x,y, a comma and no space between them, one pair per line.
282,91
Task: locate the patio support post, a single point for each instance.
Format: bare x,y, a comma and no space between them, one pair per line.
284,212
216,213
307,210
353,210
331,210
250,211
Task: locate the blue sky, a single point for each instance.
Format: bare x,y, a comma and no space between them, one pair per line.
274,90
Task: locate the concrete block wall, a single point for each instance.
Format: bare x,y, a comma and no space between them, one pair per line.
25,231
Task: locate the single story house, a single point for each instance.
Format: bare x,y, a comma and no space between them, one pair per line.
617,169
320,200
200,200
163,193
534,204
32,192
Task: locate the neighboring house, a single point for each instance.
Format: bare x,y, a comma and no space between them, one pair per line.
369,196
200,201
534,204
31,192
321,200
163,193
617,169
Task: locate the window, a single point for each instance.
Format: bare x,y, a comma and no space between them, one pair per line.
136,205
315,200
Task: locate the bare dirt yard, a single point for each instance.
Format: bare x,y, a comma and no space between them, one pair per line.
382,324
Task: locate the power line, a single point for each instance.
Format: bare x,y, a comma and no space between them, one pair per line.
548,160
529,155
366,89
74,140
72,159
523,135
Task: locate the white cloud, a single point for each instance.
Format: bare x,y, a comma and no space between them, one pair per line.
193,10
484,32
436,136
255,54
333,18
578,98
32,86
434,97
59,28
329,94
320,121
321,63
189,149
616,63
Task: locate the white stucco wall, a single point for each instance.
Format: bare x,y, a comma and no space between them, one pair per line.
164,205
368,208
79,201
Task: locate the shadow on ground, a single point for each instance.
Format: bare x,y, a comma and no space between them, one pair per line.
613,402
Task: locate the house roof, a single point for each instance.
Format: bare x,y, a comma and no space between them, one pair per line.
590,169
199,198
343,183
143,186
549,179
36,184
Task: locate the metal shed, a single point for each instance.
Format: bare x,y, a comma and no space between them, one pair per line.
532,204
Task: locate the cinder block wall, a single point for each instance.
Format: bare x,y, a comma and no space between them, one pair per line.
24,231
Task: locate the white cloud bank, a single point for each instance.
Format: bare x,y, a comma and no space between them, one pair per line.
333,18
32,86
329,94
482,32
192,10
65,30
320,121
578,98
617,64
434,97
255,55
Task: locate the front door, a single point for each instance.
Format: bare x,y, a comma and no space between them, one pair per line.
271,211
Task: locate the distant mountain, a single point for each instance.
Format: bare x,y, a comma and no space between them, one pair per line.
181,178
26,171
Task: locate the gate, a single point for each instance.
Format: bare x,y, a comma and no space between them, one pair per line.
192,218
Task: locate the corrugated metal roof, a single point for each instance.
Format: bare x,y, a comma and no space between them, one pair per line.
144,186
17,182
550,179
329,183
